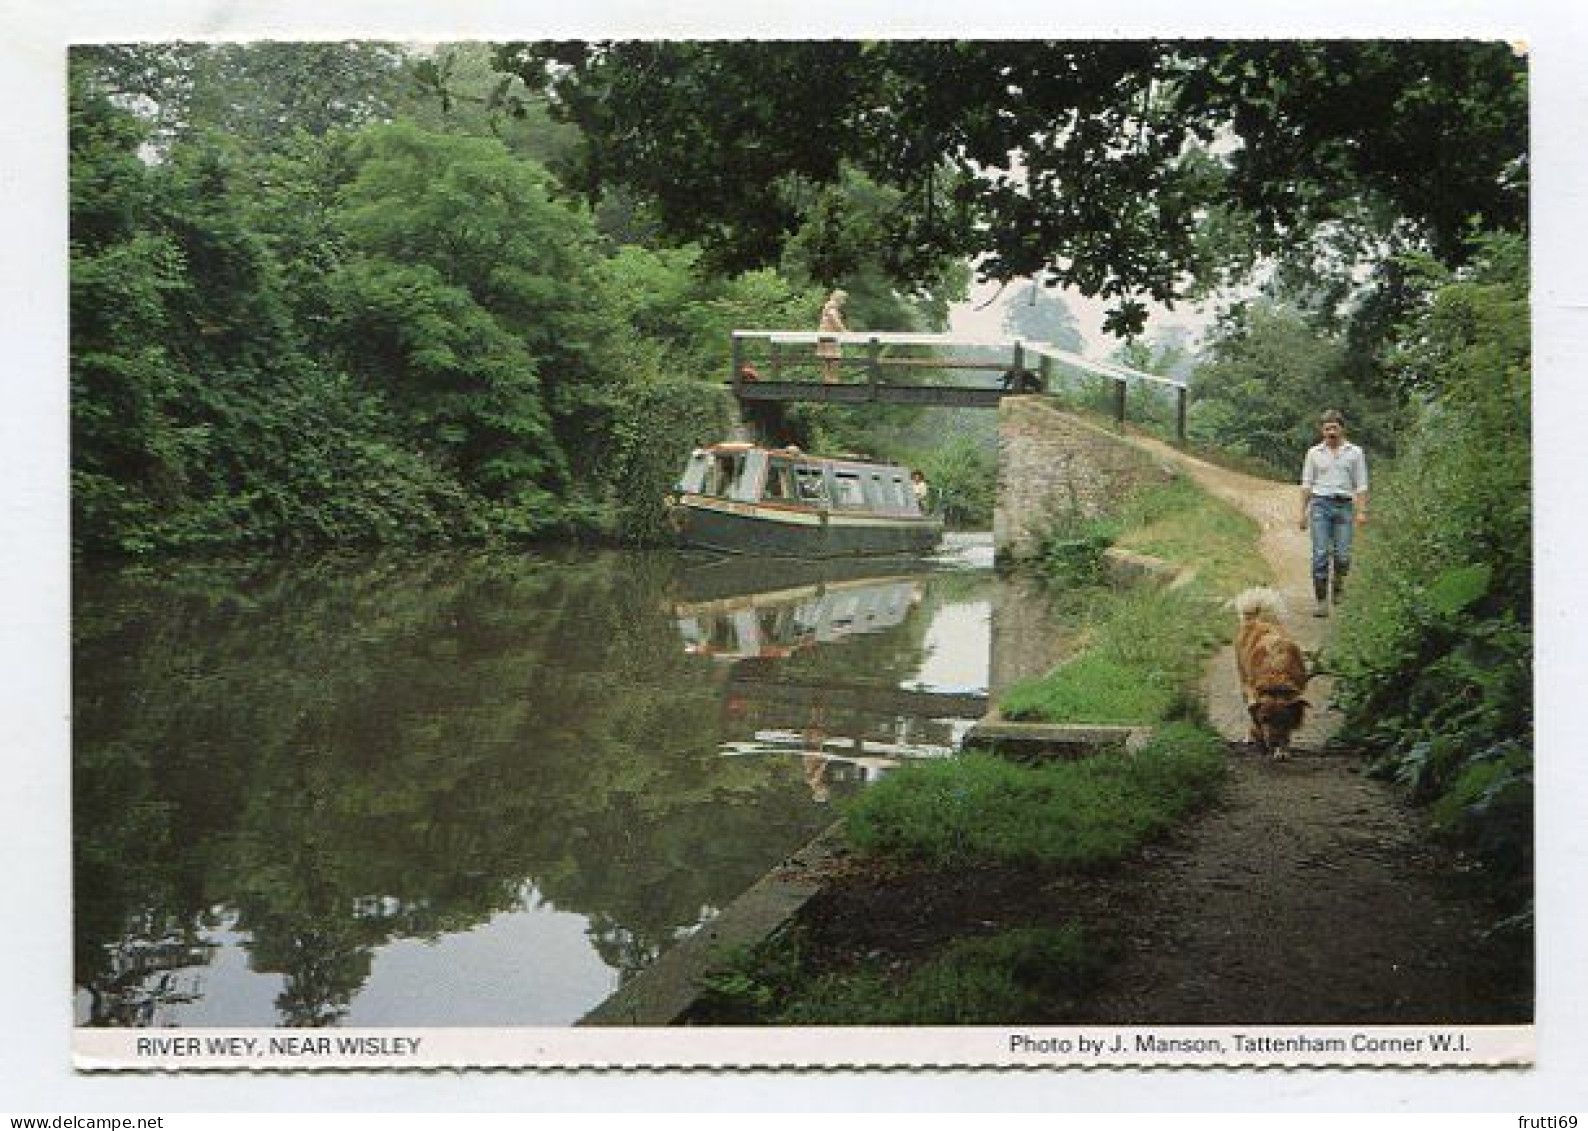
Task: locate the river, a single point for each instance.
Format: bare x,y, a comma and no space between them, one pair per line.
476,789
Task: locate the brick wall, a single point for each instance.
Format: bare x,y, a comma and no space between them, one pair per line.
1052,464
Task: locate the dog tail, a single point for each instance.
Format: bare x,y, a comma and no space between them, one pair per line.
1260,603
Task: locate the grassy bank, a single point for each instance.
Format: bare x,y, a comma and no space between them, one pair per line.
980,809
1007,949
1141,649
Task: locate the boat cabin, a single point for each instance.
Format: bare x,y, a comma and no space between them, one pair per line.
748,474
745,499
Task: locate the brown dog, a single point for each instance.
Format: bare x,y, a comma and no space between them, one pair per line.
1273,672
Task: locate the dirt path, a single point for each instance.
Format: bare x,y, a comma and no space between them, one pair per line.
1309,895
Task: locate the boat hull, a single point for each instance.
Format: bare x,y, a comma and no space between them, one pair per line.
798,532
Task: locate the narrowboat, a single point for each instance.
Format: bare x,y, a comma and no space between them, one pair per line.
740,498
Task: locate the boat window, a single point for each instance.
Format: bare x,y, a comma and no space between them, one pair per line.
780,482
811,484
694,477
901,493
877,493
724,474
848,491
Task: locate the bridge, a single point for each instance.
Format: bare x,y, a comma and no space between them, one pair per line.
876,368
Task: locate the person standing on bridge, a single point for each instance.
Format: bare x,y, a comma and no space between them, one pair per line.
1333,501
832,323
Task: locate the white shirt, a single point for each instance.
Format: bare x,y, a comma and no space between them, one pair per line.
1340,472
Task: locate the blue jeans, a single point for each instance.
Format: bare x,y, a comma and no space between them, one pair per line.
1331,521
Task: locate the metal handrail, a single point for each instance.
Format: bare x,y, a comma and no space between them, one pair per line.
1021,352
1014,345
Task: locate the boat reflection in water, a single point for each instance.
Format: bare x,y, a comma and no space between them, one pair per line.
776,623
815,661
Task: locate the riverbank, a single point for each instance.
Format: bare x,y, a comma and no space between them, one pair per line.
1307,893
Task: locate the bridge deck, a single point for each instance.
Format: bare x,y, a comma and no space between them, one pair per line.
1029,366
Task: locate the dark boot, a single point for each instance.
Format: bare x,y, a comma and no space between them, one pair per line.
1339,582
1320,593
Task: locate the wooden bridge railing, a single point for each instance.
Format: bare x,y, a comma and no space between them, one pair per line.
1025,366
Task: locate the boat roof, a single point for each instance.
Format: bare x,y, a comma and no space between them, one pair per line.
793,452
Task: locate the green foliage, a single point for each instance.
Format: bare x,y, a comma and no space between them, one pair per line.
963,482
1180,523
657,425
675,318
1142,647
1127,184
1435,652
1028,974
262,93
389,336
466,390
1070,554
1141,659
1268,376
980,809
1091,689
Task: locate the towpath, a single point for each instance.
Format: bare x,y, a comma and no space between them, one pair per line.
1310,895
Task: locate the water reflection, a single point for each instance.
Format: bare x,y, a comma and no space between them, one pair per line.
464,790
844,726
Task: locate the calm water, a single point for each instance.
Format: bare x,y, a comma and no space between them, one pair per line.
473,790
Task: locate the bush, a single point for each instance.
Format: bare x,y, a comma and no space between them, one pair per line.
655,427
1435,652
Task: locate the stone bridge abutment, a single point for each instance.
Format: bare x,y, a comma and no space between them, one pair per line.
1053,466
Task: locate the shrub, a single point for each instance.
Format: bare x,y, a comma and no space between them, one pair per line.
1435,651
655,426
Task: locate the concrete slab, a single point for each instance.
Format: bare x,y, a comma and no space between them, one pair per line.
1074,740
663,993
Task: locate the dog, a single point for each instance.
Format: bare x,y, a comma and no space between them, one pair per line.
1272,669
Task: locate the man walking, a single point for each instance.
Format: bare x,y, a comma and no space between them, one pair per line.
1333,501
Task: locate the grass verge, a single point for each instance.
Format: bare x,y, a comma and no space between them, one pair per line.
926,827
1141,660
1023,975
981,809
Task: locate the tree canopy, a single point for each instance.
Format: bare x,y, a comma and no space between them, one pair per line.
1108,166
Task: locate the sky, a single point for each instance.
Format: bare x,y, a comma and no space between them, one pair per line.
982,315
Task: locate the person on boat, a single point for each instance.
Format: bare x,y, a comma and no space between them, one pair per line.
832,322
921,489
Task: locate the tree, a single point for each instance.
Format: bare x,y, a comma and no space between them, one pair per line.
262,93
487,228
1267,376
1038,315
1101,164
